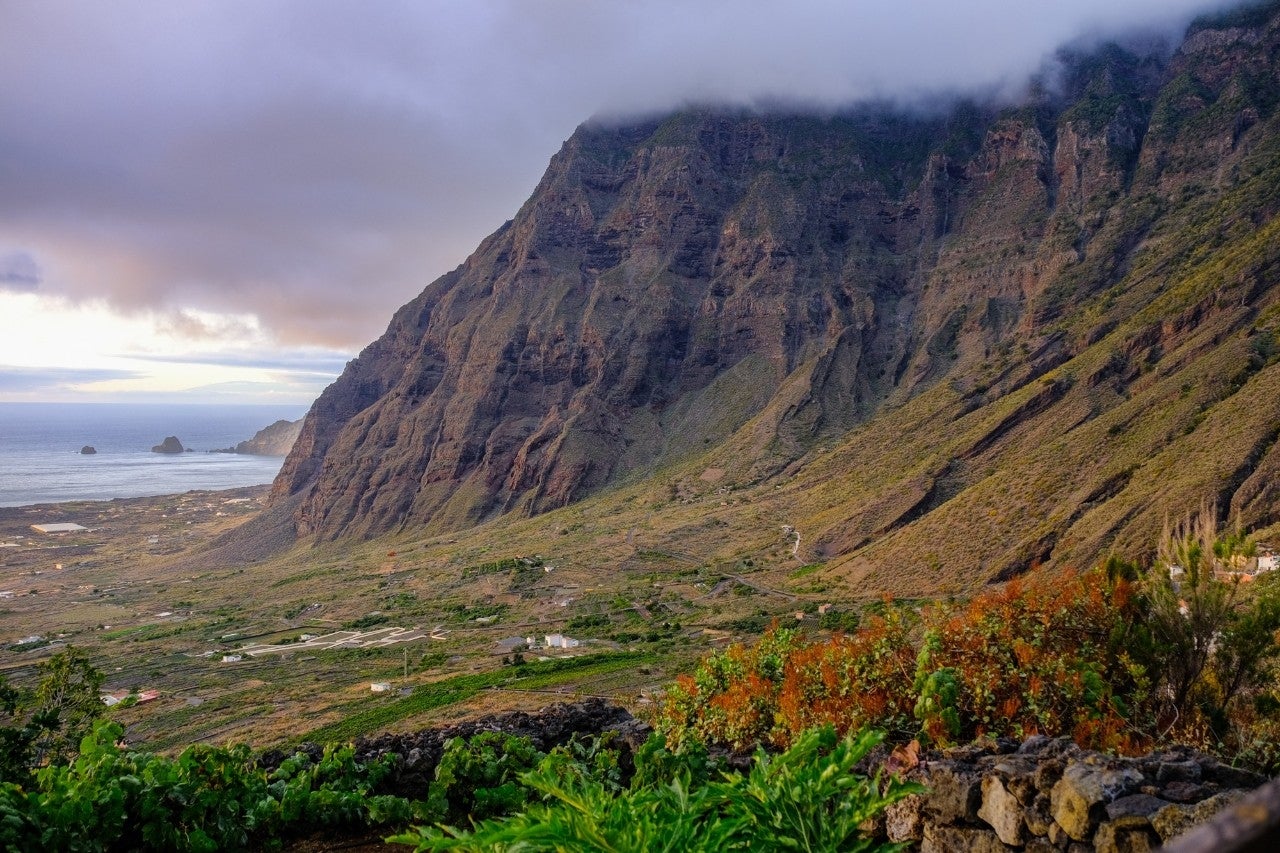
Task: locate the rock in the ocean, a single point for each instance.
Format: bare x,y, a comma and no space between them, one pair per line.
274,440
88,450
169,445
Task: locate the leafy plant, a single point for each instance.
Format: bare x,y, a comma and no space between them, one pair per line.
806,799
479,777
209,798
44,724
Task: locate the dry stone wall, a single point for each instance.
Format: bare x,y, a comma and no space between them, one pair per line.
1037,796
1050,795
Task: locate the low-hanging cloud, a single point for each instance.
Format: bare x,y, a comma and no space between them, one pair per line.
316,163
22,380
19,272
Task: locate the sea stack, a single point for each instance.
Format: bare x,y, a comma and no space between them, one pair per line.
87,450
169,445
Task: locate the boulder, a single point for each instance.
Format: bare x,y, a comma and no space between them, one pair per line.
1112,838
1080,797
1175,819
1003,812
903,820
88,450
955,792
949,839
169,445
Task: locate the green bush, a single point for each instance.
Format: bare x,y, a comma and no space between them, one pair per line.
806,799
479,777
209,798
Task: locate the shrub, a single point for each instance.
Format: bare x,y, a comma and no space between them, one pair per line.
806,799
1214,645
209,798
1044,657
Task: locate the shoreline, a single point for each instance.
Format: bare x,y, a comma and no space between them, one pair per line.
256,492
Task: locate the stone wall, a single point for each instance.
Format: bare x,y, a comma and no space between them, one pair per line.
1037,796
1050,795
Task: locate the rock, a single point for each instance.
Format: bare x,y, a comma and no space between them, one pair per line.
1033,744
274,440
1173,820
1231,777
1111,838
1177,771
88,450
950,839
1040,845
1184,792
1038,816
1134,811
903,820
955,792
1019,774
1078,801
1048,773
1002,811
169,445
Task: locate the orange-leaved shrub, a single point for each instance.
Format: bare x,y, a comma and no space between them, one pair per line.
1043,656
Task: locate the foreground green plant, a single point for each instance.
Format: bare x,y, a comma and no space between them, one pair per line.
209,798
806,799
44,724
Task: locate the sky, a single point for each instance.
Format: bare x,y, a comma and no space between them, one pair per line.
204,201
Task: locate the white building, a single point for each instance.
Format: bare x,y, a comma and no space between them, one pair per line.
560,641
60,527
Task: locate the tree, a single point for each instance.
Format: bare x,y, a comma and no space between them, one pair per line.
1213,646
46,724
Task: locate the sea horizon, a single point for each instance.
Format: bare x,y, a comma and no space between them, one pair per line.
41,460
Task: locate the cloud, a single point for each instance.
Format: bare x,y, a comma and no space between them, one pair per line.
315,163
19,272
25,380
308,363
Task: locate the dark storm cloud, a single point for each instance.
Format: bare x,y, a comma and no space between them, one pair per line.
318,163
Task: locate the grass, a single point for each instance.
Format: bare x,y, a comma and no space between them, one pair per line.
450,691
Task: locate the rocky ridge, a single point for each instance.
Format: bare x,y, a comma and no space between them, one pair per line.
274,440
993,337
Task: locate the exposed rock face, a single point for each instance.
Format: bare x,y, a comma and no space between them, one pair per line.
274,440
1014,286
88,450
169,445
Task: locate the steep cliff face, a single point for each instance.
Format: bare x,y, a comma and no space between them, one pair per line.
661,284
750,288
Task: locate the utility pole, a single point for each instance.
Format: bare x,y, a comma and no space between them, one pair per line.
406,662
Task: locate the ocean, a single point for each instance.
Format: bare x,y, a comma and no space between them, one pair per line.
40,459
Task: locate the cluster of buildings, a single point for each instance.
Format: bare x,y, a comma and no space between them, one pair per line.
1244,569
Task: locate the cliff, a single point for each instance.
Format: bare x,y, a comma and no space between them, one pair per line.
987,336
274,440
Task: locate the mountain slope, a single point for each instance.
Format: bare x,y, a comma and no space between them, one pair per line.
981,340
